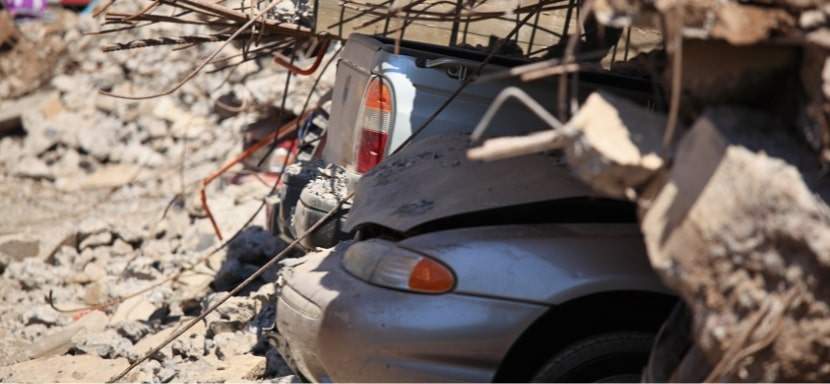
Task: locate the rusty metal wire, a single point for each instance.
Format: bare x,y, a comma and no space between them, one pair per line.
179,40
451,14
259,36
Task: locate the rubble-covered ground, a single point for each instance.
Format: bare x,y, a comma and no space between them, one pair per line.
99,200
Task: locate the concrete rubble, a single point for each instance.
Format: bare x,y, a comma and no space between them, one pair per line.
731,189
99,197
760,255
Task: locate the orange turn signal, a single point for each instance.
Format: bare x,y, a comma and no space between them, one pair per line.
431,277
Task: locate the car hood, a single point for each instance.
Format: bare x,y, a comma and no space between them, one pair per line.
432,179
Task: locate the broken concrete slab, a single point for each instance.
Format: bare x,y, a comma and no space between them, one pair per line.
136,308
43,314
95,272
133,330
11,111
64,369
110,176
232,315
97,240
239,367
16,247
738,232
741,24
107,344
230,344
143,268
99,138
195,284
151,341
612,144
33,273
618,143
60,341
33,167
145,373
11,150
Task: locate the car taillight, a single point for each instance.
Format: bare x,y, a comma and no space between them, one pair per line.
375,122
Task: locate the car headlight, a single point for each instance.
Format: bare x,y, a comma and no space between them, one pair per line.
383,263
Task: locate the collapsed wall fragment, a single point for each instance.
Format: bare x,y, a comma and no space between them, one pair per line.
729,181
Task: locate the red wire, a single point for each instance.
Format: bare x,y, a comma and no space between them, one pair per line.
321,50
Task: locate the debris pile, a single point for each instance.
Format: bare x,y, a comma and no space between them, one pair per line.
729,179
100,202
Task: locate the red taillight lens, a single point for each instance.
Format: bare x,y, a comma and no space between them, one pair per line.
375,123
372,145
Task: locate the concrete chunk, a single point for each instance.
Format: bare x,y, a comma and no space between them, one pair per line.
739,234
618,143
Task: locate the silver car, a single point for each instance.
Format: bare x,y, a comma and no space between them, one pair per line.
504,271
380,98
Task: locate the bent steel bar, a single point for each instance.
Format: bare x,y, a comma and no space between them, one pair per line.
525,99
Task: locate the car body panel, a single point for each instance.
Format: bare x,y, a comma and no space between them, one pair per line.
432,179
353,73
422,77
334,327
420,87
546,264
418,91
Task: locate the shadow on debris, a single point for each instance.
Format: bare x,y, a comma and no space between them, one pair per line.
245,255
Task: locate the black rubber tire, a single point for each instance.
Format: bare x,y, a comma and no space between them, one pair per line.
617,357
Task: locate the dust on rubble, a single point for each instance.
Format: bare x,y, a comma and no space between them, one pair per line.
733,203
84,181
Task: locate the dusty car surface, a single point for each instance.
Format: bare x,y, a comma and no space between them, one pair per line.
445,269
474,281
383,95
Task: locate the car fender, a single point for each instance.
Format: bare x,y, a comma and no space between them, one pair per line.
545,264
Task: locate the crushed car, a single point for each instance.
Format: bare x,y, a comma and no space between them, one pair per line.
477,272
382,98
446,269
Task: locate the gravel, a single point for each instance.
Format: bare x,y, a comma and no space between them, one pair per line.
100,201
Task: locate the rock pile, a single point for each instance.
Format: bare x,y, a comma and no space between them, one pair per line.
99,201
730,182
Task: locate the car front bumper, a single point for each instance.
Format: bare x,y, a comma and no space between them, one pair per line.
332,326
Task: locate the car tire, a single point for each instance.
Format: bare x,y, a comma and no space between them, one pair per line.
617,357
